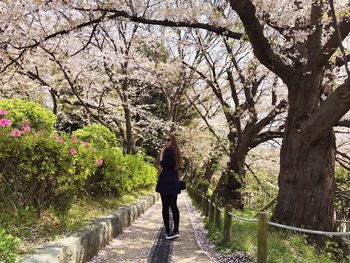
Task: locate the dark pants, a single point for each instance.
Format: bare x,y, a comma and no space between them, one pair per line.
170,201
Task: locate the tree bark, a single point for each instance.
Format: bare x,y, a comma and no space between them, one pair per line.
229,186
209,169
306,182
306,179
130,145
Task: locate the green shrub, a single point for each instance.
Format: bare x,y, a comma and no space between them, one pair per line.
140,173
9,246
120,174
97,134
24,111
40,170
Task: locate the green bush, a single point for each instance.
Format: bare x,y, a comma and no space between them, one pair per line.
9,246
24,111
120,174
97,134
139,173
40,170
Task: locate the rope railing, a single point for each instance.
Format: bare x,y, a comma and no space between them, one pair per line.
244,218
213,212
309,231
297,229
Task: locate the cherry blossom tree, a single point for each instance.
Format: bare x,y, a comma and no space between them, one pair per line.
243,91
296,40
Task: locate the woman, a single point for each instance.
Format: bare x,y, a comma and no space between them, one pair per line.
168,183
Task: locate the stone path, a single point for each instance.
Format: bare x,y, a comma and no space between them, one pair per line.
144,240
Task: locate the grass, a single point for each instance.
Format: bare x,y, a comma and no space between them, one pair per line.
34,230
283,246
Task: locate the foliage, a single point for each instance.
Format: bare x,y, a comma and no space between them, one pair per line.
342,201
24,111
257,195
42,174
123,173
282,246
99,135
42,170
9,246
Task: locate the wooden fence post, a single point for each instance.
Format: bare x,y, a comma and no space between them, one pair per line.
227,223
217,216
203,204
262,237
207,203
211,211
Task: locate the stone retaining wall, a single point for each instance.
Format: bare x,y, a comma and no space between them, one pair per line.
82,246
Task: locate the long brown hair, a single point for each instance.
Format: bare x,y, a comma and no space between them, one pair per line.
178,156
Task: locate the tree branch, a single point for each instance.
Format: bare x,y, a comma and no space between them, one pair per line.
313,43
143,20
322,57
266,136
261,46
330,112
343,123
339,38
281,106
208,125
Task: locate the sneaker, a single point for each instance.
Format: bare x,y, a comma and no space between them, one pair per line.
176,234
173,235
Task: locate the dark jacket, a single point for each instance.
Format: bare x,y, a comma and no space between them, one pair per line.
168,181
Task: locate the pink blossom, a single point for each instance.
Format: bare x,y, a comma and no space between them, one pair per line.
3,112
73,151
26,128
86,144
5,122
16,133
94,149
59,139
99,161
74,139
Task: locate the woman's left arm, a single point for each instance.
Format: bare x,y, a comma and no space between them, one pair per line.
168,159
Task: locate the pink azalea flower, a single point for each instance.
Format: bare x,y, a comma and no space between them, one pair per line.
73,151
94,150
74,139
3,112
5,122
86,144
99,162
59,139
16,133
26,128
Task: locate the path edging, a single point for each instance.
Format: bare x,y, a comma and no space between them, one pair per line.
83,245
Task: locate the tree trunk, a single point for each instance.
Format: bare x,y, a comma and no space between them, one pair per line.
306,179
308,170
209,169
229,187
130,145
